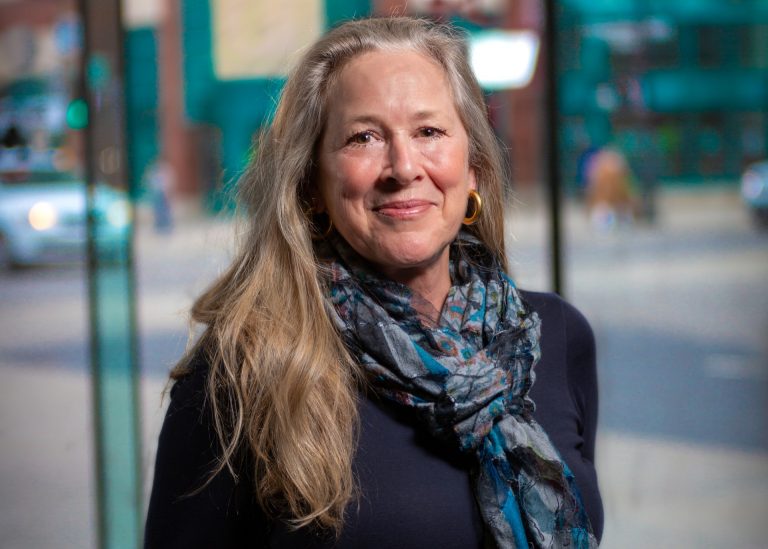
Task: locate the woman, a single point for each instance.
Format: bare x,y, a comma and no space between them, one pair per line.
363,378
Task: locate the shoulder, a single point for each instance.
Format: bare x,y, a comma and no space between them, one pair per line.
188,403
189,505
561,316
188,388
187,428
568,351
550,305
566,391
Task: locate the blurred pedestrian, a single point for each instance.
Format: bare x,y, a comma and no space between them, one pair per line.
609,193
364,378
159,180
583,166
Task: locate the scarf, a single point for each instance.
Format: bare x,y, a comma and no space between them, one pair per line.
466,377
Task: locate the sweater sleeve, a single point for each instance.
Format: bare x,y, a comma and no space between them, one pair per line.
565,393
582,375
184,511
582,382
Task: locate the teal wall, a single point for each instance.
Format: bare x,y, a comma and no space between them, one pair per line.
337,11
698,86
683,11
197,51
141,100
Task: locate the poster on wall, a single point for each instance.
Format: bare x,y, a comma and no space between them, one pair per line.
260,39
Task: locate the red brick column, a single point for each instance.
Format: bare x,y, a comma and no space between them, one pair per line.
177,137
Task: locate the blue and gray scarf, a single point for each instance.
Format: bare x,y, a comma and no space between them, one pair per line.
466,376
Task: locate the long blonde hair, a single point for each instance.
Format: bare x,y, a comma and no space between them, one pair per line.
281,384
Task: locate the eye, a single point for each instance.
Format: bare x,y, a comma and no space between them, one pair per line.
431,132
361,138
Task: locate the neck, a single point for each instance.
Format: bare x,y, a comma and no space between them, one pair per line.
431,284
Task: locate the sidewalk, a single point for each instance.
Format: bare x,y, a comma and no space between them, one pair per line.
666,494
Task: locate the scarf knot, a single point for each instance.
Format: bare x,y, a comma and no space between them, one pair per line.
466,377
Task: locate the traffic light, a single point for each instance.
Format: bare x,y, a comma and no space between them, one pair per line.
77,114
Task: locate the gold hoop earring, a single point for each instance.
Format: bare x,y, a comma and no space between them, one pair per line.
474,196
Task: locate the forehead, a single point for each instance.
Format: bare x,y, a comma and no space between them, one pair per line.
393,59
383,78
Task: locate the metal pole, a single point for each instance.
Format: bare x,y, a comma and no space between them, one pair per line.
114,368
552,146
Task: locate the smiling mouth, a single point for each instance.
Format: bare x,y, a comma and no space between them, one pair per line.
403,209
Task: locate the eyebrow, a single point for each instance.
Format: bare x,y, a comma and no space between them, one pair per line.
426,114
373,119
364,119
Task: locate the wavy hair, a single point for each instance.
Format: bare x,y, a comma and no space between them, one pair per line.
282,386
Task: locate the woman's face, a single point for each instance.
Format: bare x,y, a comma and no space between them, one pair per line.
394,171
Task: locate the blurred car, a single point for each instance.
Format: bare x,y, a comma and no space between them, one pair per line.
43,218
754,191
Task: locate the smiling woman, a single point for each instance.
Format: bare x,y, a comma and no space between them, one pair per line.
394,169
364,378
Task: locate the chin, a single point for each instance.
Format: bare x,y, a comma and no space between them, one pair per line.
410,254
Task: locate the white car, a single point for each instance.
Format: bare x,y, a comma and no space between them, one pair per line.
43,218
754,190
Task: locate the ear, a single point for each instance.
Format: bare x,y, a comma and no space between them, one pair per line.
472,180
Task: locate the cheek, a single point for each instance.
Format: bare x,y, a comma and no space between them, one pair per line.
452,153
452,170
350,179
456,181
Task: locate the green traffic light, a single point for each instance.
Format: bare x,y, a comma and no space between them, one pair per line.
77,114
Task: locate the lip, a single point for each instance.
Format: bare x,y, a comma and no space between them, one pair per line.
403,209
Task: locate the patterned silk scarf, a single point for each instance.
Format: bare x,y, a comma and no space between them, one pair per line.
467,376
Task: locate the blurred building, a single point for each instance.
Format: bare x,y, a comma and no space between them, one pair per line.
680,88
39,64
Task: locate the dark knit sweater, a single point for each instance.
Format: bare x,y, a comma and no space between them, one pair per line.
414,491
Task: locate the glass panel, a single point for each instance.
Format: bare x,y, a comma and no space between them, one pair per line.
46,462
666,262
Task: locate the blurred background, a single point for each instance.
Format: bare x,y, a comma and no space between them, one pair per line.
638,137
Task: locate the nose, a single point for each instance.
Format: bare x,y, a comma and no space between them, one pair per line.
402,167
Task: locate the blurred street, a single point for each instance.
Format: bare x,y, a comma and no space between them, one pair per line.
683,446
680,312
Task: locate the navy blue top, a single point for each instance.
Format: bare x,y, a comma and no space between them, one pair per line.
415,491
